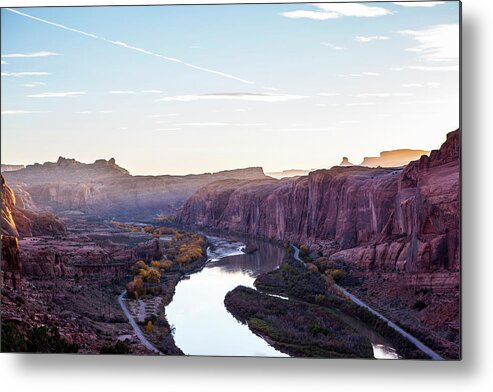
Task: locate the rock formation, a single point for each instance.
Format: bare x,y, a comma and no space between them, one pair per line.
376,218
105,189
7,167
393,158
345,162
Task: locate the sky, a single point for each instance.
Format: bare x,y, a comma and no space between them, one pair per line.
194,89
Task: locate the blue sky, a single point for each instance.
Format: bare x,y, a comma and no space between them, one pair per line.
192,89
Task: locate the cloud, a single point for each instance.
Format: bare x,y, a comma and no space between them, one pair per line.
122,92
335,11
381,95
361,38
439,68
134,48
6,112
302,129
420,85
105,111
4,62
418,3
258,97
327,94
168,129
21,74
28,55
332,46
202,124
361,104
315,15
362,74
436,43
56,95
34,84
151,91
412,85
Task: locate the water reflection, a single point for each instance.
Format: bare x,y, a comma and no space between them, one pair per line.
202,324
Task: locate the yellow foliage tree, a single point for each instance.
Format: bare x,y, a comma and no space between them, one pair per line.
149,327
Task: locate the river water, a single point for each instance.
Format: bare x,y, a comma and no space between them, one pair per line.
202,324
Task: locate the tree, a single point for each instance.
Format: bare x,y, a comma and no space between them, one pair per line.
149,327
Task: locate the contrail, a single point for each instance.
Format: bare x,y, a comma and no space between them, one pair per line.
136,49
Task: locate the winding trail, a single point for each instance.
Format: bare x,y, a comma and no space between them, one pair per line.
136,328
420,345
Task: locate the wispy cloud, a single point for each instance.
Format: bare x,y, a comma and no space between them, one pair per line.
202,124
8,112
381,95
21,74
34,84
122,92
362,74
28,55
327,94
420,85
426,4
361,104
258,97
370,38
134,48
56,95
431,68
168,129
332,46
436,43
105,111
4,62
303,129
335,11
151,91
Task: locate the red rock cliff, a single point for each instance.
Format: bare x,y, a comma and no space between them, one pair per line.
390,219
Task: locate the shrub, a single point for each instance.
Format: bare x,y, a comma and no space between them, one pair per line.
338,275
12,339
118,348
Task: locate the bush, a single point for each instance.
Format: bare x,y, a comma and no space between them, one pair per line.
118,348
48,340
338,275
12,339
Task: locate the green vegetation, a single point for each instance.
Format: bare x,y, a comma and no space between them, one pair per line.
314,287
297,328
118,348
35,340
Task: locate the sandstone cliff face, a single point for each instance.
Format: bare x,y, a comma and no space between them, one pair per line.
105,189
10,265
391,219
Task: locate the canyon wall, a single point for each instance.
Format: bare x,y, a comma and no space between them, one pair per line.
374,218
105,189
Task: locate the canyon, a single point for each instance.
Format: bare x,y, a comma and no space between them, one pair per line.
396,229
107,190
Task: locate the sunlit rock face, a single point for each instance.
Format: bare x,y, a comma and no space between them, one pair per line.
392,219
105,189
394,158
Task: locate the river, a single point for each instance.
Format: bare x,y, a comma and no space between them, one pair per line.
202,324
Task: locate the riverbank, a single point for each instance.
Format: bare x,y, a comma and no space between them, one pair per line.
307,287
178,255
